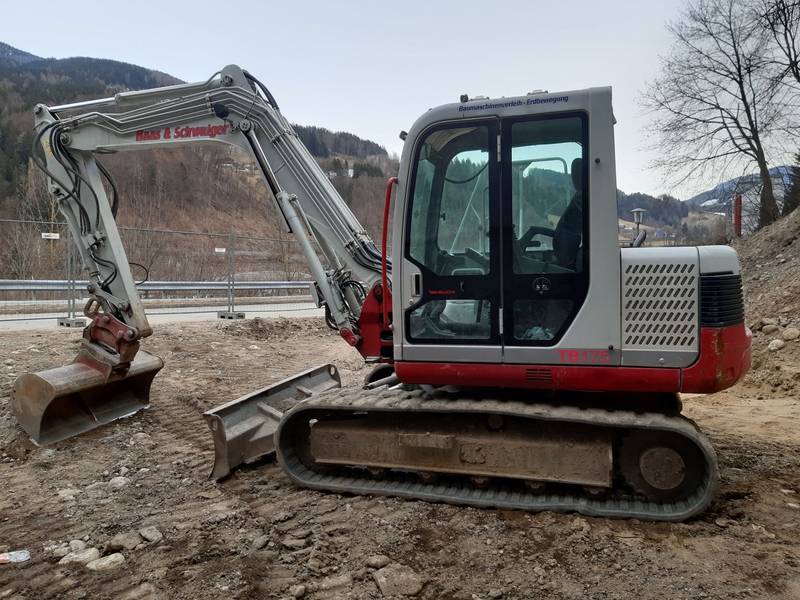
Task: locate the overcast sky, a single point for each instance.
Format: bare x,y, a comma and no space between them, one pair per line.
373,67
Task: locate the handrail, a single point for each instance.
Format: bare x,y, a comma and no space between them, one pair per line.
384,262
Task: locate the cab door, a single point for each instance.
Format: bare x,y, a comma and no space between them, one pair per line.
545,231
451,256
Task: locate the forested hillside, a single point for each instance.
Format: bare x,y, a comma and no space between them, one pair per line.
324,143
664,211
207,187
26,80
13,56
204,187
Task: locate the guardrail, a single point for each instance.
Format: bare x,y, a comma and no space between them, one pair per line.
65,285
185,271
72,292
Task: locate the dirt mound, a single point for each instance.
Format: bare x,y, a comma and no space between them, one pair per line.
277,329
771,278
771,264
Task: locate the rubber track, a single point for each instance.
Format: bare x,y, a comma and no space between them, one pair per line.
502,495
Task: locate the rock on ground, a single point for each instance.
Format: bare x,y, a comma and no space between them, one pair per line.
151,534
112,561
68,493
297,591
260,542
398,580
336,581
124,541
378,561
142,439
776,345
117,483
81,557
790,333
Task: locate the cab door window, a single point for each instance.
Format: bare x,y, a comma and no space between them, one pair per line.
449,237
450,208
546,218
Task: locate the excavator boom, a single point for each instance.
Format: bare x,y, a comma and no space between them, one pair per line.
111,376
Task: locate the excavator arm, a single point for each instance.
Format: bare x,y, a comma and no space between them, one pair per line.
231,107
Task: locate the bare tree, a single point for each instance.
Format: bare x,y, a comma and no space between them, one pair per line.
717,109
782,19
35,202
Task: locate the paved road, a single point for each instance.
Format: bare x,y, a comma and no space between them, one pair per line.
171,315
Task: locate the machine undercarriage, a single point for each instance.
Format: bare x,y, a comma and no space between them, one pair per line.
489,448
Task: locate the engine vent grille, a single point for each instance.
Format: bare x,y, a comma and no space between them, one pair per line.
659,303
539,374
721,300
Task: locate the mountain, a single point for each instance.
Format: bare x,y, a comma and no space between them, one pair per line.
198,187
324,143
719,197
26,79
664,211
12,56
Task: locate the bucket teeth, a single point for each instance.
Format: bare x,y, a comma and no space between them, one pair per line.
60,403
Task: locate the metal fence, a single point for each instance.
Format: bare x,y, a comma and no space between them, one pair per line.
179,272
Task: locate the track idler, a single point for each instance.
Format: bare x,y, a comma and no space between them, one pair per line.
108,380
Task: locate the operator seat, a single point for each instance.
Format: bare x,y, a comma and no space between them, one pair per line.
569,231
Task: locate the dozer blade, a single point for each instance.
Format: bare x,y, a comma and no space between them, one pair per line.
59,403
243,429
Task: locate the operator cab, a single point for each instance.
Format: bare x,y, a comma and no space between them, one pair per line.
491,231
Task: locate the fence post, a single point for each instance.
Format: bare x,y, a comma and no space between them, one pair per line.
737,216
69,267
231,312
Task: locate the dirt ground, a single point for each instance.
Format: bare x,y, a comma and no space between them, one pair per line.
256,535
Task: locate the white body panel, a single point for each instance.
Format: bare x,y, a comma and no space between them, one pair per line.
597,324
660,306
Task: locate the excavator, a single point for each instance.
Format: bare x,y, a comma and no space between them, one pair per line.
523,358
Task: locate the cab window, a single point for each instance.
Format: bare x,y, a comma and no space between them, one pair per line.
547,195
449,228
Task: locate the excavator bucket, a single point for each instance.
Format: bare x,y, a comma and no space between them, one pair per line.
243,429
59,403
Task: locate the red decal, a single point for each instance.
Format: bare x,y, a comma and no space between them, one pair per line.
211,131
584,357
441,292
206,131
148,135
